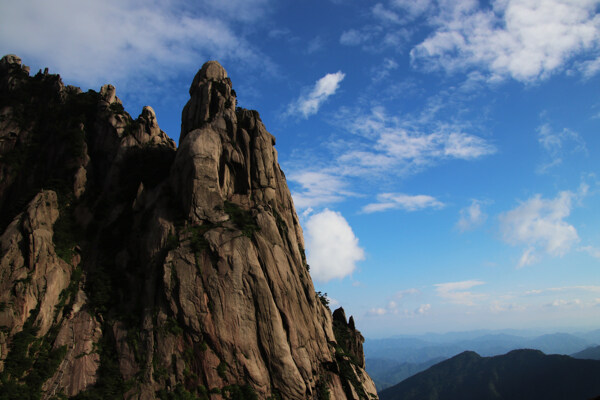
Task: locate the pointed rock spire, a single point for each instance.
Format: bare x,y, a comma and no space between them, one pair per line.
212,100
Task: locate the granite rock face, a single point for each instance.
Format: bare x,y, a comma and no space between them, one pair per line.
135,269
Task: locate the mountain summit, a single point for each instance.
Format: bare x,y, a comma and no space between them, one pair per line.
131,268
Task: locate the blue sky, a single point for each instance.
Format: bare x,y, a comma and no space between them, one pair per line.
442,154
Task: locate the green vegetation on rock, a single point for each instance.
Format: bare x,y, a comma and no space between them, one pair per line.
243,219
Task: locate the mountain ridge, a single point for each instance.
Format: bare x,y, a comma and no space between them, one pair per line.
519,374
135,268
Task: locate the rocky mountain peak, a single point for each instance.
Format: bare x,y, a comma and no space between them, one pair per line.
210,71
212,101
109,94
134,269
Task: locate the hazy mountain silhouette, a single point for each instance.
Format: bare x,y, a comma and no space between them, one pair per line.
519,374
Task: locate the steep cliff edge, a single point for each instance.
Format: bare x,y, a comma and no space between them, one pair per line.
132,268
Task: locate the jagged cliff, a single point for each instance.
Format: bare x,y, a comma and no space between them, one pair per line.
133,268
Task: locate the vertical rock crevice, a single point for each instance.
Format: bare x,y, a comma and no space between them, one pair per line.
188,261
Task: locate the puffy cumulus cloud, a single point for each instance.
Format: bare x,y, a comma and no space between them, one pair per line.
332,248
458,293
471,217
387,201
125,41
324,88
540,224
523,39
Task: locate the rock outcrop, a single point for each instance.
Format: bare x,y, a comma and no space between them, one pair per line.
132,268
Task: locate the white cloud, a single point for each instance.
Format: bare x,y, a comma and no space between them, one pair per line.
423,309
374,38
379,146
557,144
565,303
471,217
413,8
377,311
384,14
523,39
126,41
580,288
393,308
593,251
539,223
245,10
389,201
391,144
403,293
590,68
383,71
457,293
332,248
528,257
316,44
354,37
498,307
333,303
324,88
318,188
279,33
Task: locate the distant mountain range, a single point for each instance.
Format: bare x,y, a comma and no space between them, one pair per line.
591,353
392,360
386,373
519,374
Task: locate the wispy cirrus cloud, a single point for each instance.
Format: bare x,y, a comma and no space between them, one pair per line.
324,88
412,8
376,145
390,201
591,250
129,41
471,217
557,144
405,146
393,308
577,288
458,293
318,189
383,71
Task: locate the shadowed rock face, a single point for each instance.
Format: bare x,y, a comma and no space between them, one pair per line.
140,269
